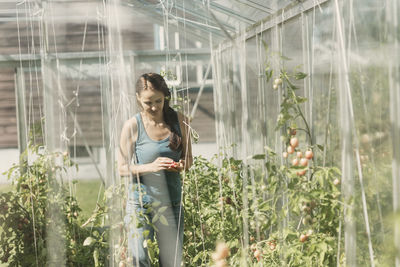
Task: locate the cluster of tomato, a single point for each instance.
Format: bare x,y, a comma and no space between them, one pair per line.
257,252
122,250
300,159
307,209
304,237
277,83
220,255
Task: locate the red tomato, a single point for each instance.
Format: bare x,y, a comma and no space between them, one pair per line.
295,162
222,251
304,162
290,150
301,173
257,254
294,142
303,238
309,154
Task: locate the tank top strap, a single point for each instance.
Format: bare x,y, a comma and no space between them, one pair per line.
139,126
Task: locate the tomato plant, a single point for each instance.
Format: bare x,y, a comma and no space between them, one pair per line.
293,209
26,215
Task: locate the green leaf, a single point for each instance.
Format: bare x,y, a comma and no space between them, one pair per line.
259,156
155,218
300,75
89,241
146,233
300,99
156,204
162,209
285,57
96,257
163,220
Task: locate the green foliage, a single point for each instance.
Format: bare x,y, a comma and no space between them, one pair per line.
27,214
291,218
214,211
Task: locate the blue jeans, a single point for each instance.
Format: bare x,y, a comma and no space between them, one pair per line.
169,237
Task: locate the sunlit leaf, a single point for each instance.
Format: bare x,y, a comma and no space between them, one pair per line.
89,241
163,220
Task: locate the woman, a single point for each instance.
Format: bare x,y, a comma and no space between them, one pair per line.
158,140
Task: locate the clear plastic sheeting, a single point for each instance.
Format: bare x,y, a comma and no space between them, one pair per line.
76,64
349,49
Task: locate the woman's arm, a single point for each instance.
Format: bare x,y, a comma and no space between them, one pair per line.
126,147
186,158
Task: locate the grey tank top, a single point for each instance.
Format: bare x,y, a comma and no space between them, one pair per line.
163,186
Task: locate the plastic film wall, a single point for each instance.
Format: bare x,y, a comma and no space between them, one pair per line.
350,53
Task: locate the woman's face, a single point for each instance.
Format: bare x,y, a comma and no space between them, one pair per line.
152,102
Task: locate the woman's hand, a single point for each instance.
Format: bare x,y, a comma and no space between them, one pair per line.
161,163
177,166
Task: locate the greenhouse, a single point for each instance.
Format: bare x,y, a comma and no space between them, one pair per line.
200,133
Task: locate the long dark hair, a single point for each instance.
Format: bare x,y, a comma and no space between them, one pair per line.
170,116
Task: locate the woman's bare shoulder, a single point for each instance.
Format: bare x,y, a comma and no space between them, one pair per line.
130,125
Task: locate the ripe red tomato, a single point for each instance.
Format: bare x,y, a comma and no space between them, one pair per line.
304,162
290,150
303,238
309,154
301,173
222,251
257,254
294,142
299,154
295,162
285,155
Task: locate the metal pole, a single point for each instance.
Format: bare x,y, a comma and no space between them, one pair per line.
196,103
20,107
